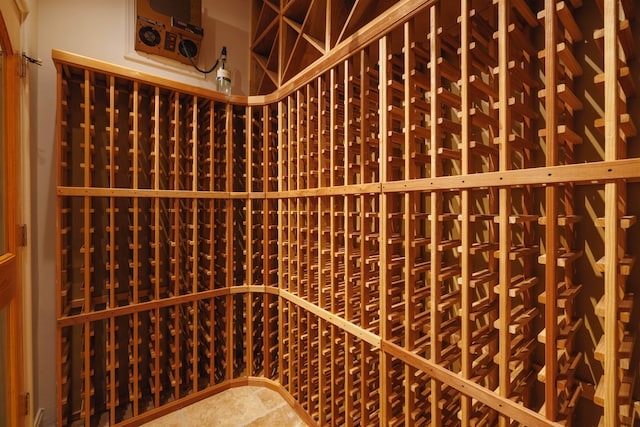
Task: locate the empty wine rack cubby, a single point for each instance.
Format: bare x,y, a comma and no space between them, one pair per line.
431,225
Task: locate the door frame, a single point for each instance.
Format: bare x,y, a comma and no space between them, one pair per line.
10,286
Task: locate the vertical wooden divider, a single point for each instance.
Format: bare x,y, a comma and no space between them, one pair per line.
213,185
297,260
504,208
308,340
333,290
551,203
249,236
436,208
385,279
466,360
611,217
266,245
195,244
324,259
348,236
229,162
568,354
302,241
364,235
314,322
63,285
283,227
281,205
136,244
341,280
176,238
409,197
157,239
112,254
172,285
291,238
61,264
86,350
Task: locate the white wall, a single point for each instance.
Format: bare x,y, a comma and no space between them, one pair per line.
101,29
104,29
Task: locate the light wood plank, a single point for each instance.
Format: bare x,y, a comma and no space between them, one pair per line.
612,214
551,209
504,209
465,225
436,208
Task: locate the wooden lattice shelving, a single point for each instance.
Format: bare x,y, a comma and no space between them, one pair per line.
289,35
432,226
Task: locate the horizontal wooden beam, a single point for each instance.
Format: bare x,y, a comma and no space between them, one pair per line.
341,190
508,407
107,313
161,194
334,319
583,173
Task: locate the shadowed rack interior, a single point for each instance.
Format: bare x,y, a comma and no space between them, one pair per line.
432,224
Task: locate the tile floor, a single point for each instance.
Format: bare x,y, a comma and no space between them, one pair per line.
235,407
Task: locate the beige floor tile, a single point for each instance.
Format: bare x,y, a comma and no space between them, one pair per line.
236,407
270,398
230,408
173,419
282,417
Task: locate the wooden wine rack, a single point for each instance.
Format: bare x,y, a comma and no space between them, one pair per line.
434,225
289,35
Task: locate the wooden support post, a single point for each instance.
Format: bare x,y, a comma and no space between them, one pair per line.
349,229
465,229
266,242
385,279
324,258
409,62
87,282
611,218
136,244
194,246
551,202
333,117
112,254
211,329
297,356
249,342
266,221
505,208
61,245
436,208
230,300
281,247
